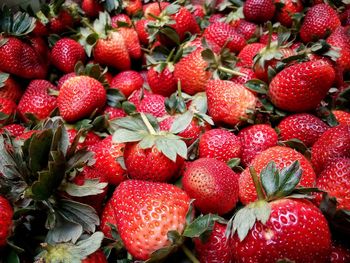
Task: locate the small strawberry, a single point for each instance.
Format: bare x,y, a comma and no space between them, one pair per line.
228,102
7,110
91,7
114,113
127,82
153,9
248,53
163,83
212,184
141,29
6,213
342,117
89,139
9,88
284,15
146,212
96,257
333,143
149,103
340,38
220,144
79,97
66,53
132,7
301,87
61,21
248,75
259,11
304,127
247,29
37,100
13,129
255,139
120,19
319,21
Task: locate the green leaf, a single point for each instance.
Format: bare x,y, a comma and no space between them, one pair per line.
295,144
125,135
90,245
270,179
181,122
147,142
12,257
39,148
208,55
171,34
3,78
129,107
81,158
190,213
166,147
172,9
90,187
234,162
289,178
257,86
115,97
131,123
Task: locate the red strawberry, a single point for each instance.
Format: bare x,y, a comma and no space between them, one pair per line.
150,103
37,101
342,117
278,239
88,140
91,7
163,83
264,39
154,9
248,53
255,139
191,72
248,75
218,33
127,82
114,113
64,78
79,97
13,129
319,21
141,29
8,109
131,41
212,184
108,219
220,144
283,157
290,8
61,22
345,17
40,29
245,28
229,102
301,87
339,254
26,135
6,213
145,212
333,143
132,7
66,53
304,127
120,18
96,257
9,88
259,11
340,38
216,249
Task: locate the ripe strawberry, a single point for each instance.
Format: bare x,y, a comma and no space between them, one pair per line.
333,143
319,21
62,21
248,53
255,139
79,97
66,53
163,83
290,8
339,254
9,88
283,157
37,101
150,103
13,129
264,39
6,213
108,219
198,11
132,7
217,248
91,7
127,82
88,140
228,102
248,75
212,184
289,220
340,38
40,29
153,9
191,72
304,127
120,18
96,257
64,78
141,29
245,28
8,109
259,11
301,87
219,32
131,41
220,144
342,117
114,113
345,17
26,135
146,212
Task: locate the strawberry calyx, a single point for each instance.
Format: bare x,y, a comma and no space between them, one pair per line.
19,24
3,78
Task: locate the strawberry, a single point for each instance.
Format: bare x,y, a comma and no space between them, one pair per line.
339,254
88,140
108,219
64,78
120,18
26,135
245,28
219,32
248,75
79,97
9,88
259,11
6,213
149,103
256,139
335,179
153,9
303,126
62,21
114,113
163,83
141,29
13,129
131,41
301,87
132,7
342,117
248,53
340,38
146,212
228,102
217,248
191,72
40,29
7,110
127,82
319,21
96,257
283,157
37,100
285,14
212,184
333,143
91,7
66,53
220,144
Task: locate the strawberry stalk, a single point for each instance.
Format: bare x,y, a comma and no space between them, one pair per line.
231,71
189,254
148,124
257,184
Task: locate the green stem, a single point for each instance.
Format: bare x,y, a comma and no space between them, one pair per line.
86,23
231,71
257,184
269,26
148,124
189,254
170,55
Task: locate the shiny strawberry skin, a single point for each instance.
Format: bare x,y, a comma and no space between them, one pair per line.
7,107
342,117
259,11
145,212
212,184
219,144
152,9
132,7
248,75
66,53
282,156
107,219
333,143
131,41
340,38
290,8
127,82
151,103
91,7
303,126
96,257
255,139
184,22
120,18
6,213
216,249
89,140
114,113
245,28
228,102
339,254
319,20
150,164
36,99
64,78
301,87
79,97
141,29
11,89
163,83
62,22
248,53
13,129
296,230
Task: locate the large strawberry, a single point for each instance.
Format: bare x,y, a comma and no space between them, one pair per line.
228,102
301,87
259,11
212,184
6,213
127,82
131,41
146,212
79,97
9,88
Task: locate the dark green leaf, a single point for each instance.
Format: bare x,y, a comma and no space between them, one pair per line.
257,86
81,158
270,179
234,162
202,224
181,122
171,34
289,178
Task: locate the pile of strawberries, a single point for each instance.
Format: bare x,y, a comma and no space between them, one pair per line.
175,131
